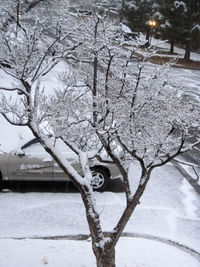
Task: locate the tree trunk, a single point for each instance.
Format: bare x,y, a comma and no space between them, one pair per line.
172,43
105,258
187,52
147,37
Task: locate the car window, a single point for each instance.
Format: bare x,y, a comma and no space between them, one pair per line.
34,148
33,141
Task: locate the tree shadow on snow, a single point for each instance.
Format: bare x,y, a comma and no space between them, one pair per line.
115,185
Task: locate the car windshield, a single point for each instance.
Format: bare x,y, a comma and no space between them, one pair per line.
33,141
34,147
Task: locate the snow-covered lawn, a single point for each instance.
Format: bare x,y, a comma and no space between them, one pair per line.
177,50
170,209
130,252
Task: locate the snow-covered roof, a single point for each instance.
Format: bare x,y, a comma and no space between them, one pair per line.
125,28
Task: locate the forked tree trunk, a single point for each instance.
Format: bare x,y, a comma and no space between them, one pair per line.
105,259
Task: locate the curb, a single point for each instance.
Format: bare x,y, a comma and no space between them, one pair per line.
86,237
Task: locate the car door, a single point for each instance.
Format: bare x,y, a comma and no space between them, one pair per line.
58,174
31,163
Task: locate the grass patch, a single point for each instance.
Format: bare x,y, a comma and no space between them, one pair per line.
171,58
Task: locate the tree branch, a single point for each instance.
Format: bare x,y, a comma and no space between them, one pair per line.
13,122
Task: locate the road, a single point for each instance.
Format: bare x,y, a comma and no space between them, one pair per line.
191,87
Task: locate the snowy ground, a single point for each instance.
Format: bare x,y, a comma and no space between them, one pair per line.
162,45
64,253
170,209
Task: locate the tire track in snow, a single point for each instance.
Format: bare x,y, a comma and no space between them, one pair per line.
188,200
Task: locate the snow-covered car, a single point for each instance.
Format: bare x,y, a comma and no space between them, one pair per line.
32,163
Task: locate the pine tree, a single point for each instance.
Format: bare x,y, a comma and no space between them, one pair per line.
170,18
191,26
179,23
138,13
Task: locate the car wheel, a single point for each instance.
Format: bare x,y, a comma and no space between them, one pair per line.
100,179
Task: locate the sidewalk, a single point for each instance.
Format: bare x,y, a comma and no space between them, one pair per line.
186,175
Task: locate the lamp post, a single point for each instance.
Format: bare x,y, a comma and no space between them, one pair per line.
152,24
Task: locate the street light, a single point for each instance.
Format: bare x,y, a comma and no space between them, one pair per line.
152,24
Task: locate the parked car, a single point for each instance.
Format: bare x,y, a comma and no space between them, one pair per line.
32,163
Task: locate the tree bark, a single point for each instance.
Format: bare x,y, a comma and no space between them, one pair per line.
105,258
172,43
147,37
187,52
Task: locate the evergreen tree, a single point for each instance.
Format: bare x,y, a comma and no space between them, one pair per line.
170,18
179,23
138,13
190,36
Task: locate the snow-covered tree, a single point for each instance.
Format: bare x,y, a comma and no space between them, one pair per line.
138,13
177,20
111,107
180,23
13,10
191,25
170,18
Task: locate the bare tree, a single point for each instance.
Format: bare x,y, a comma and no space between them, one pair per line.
13,10
112,107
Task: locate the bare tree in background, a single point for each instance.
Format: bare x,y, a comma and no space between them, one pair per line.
112,107
12,10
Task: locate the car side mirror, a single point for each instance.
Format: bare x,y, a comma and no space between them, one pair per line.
20,153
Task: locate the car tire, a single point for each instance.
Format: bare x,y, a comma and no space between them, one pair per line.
100,178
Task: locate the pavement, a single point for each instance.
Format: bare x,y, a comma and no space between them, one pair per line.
186,175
